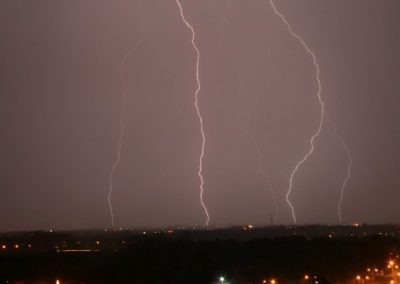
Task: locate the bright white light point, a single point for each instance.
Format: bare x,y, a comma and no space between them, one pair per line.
196,105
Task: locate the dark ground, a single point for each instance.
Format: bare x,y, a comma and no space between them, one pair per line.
192,256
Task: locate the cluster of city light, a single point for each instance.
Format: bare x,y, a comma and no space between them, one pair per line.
306,277
15,246
311,279
391,274
271,281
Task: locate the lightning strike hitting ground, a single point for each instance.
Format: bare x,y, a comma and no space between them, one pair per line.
266,177
196,102
122,116
349,164
322,106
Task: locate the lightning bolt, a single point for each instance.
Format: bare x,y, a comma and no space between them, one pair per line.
196,105
266,177
219,41
122,116
225,18
348,173
320,100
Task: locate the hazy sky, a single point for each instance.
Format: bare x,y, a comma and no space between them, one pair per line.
60,99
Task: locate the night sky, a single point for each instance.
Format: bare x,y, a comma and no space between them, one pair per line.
60,102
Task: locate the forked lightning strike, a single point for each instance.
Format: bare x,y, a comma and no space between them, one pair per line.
122,116
196,105
321,122
322,106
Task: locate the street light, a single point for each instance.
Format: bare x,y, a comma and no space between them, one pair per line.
222,279
360,279
391,266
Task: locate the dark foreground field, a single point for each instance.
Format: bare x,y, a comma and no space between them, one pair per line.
241,256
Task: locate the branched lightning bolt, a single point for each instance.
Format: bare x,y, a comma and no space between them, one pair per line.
322,106
122,116
349,164
196,105
266,177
